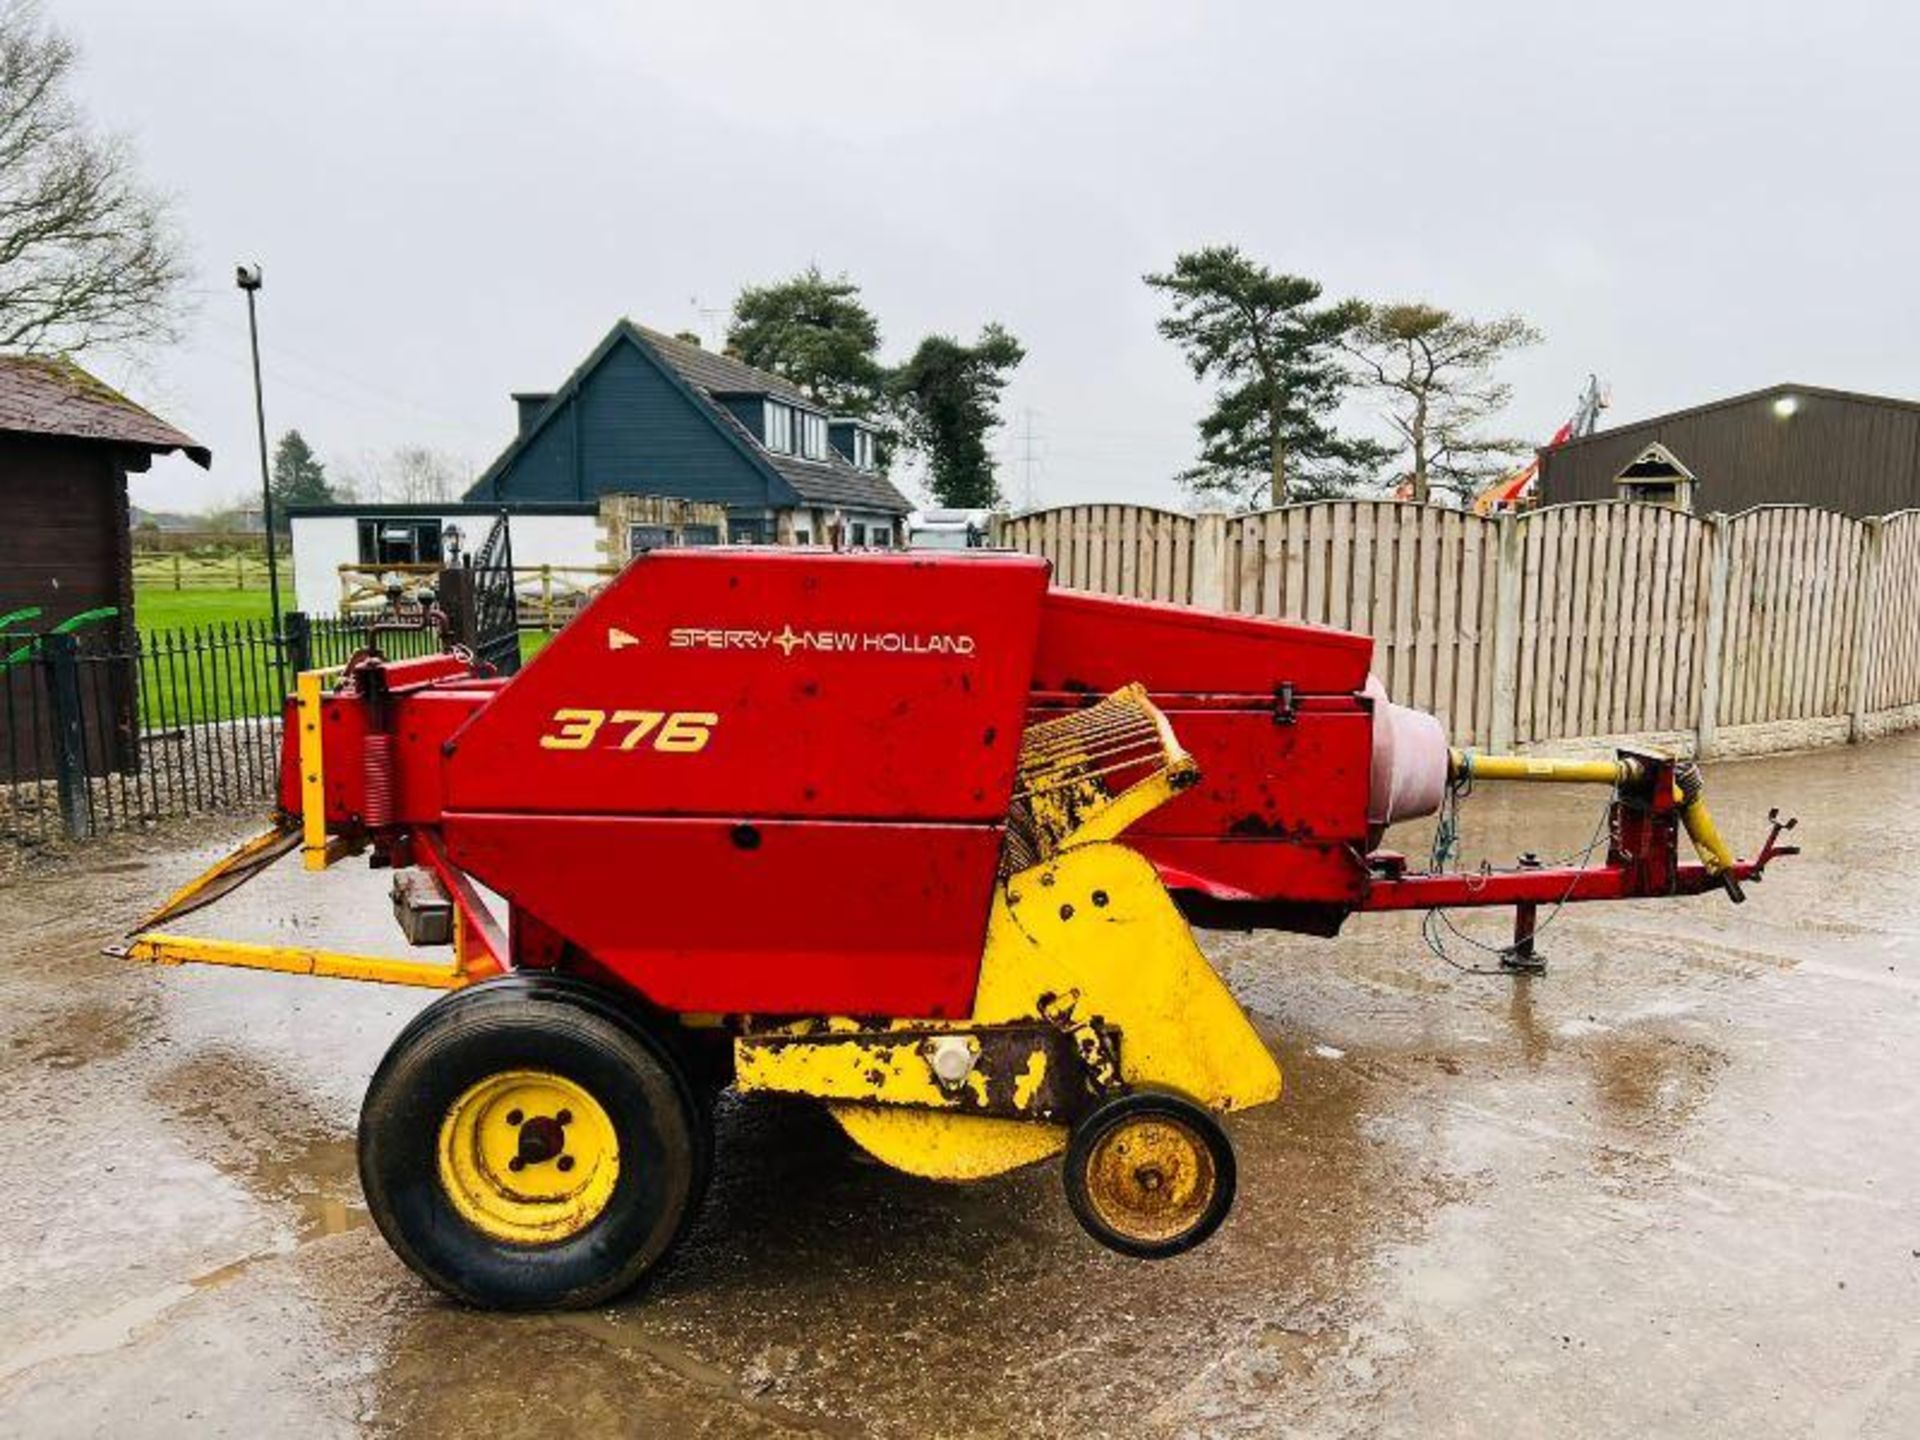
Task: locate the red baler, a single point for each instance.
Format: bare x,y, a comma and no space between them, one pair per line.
914,835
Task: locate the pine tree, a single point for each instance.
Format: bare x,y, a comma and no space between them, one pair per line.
1436,371
299,477
947,399
1274,353
817,333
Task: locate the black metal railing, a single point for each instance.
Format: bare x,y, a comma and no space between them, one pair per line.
103,731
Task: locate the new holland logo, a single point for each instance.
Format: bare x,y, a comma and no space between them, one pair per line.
788,641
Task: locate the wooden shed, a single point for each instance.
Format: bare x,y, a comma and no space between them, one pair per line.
1785,445
67,444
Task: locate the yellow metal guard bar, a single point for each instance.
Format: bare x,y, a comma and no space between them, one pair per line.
161,949
226,874
313,789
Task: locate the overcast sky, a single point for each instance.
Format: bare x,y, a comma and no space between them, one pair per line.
455,200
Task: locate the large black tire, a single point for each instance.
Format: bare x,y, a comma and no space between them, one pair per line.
533,1025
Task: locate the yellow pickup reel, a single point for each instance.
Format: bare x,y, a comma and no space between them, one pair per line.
1098,1027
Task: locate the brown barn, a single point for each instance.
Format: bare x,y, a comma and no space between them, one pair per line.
67,444
1785,445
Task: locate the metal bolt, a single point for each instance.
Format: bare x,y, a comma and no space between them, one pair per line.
565,1117
516,1163
1100,899
952,1059
565,1162
1066,912
514,1117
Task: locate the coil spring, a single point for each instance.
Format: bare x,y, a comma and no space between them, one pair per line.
376,806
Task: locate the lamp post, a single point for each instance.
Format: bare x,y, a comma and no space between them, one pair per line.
247,277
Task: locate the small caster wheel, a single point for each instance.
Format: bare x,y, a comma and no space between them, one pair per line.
1149,1174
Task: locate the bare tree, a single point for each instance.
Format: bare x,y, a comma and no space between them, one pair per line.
409,475
1435,370
88,256
417,475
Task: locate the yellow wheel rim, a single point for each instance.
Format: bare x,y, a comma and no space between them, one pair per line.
1151,1179
528,1157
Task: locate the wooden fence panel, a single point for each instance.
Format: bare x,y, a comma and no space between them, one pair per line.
1612,609
1793,596
1135,551
1894,679
1610,603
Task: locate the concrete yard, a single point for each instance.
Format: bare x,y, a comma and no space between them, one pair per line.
1673,1188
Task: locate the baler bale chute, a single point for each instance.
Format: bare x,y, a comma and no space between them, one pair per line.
918,837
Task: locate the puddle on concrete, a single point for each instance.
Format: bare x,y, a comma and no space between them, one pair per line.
253,1125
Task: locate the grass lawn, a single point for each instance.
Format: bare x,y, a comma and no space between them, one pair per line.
182,686
156,608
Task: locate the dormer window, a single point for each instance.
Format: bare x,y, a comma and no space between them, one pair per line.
1656,477
793,431
865,454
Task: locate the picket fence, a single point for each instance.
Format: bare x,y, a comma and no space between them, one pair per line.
1775,628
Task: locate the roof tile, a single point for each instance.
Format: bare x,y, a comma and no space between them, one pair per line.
50,395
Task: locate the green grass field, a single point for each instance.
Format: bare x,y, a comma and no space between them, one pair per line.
177,690
158,608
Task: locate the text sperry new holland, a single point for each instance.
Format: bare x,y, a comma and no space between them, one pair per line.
787,640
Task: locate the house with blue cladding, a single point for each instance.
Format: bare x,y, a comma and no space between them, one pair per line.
652,414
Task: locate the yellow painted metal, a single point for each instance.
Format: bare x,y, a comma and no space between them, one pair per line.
163,949
528,1157
891,1069
313,790
1707,841
225,874
939,1145
1064,795
1151,1179
1471,765
1094,928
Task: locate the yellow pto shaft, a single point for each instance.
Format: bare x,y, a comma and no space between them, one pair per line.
1689,791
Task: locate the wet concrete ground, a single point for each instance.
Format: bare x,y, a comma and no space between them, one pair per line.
1672,1188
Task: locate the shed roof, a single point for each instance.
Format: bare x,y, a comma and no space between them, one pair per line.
1656,462
50,395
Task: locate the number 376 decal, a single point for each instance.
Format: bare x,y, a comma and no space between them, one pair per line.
671,732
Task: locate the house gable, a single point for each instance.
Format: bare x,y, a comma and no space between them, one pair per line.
625,422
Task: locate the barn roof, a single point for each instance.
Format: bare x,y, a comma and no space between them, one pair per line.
50,395
1746,397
